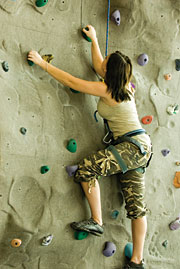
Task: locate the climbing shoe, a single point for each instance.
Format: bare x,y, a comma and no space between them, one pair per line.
132,265
90,226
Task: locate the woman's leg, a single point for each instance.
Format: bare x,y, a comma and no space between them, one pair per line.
139,228
94,200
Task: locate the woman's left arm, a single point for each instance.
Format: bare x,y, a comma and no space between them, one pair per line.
89,87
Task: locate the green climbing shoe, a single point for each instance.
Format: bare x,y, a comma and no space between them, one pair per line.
89,226
132,265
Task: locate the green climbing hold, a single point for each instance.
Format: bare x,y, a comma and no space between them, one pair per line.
72,145
41,3
80,235
44,169
74,91
85,36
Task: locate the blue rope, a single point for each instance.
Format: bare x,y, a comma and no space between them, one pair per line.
107,31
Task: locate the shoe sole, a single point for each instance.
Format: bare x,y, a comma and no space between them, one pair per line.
87,230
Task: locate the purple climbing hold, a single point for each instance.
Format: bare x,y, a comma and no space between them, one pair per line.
177,61
143,59
132,84
165,152
175,225
116,17
109,249
71,169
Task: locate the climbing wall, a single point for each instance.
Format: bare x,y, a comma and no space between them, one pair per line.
34,204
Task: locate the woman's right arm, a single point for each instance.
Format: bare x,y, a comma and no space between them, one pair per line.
97,58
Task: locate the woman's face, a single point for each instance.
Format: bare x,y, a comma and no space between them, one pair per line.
104,63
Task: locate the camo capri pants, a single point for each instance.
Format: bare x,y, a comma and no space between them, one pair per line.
103,163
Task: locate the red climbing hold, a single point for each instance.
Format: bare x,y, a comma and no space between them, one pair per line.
147,119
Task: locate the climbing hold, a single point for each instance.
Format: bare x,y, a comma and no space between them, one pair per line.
165,243
177,61
109,249
48,58
71,169
173,109
44,169
23,130
47,240
74,91
133,85
128,250
165,152
114,214
41,3
147,119
85,36
72,145
168,76
80,235
142,59
116,17
176,181
177,163
5,66
95,112
175,225
15,243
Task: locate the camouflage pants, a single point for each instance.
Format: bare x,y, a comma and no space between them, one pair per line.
103,163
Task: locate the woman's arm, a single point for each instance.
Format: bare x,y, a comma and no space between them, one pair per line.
89,87
97,58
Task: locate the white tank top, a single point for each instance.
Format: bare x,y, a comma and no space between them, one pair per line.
122,118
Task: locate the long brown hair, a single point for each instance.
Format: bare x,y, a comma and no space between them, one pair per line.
118,75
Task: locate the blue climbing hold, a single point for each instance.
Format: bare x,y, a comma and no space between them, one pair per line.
165,152
116,17
143,59
128,251
71,169
177,61
114,214
110,249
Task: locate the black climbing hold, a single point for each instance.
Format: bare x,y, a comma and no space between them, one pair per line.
5,66
85,36
23,130
116,17
44,169
177,61
41,3
165,243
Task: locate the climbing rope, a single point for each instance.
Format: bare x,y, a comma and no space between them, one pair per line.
107,29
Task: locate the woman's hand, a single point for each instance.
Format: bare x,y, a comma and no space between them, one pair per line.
35,57
91,32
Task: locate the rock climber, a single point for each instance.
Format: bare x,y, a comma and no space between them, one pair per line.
129,151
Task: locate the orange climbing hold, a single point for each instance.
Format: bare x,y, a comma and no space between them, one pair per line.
147,119
168,76
15,243
176,181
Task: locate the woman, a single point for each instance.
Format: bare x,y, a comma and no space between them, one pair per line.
130,149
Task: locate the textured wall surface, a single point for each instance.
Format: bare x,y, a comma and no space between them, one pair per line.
33,205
